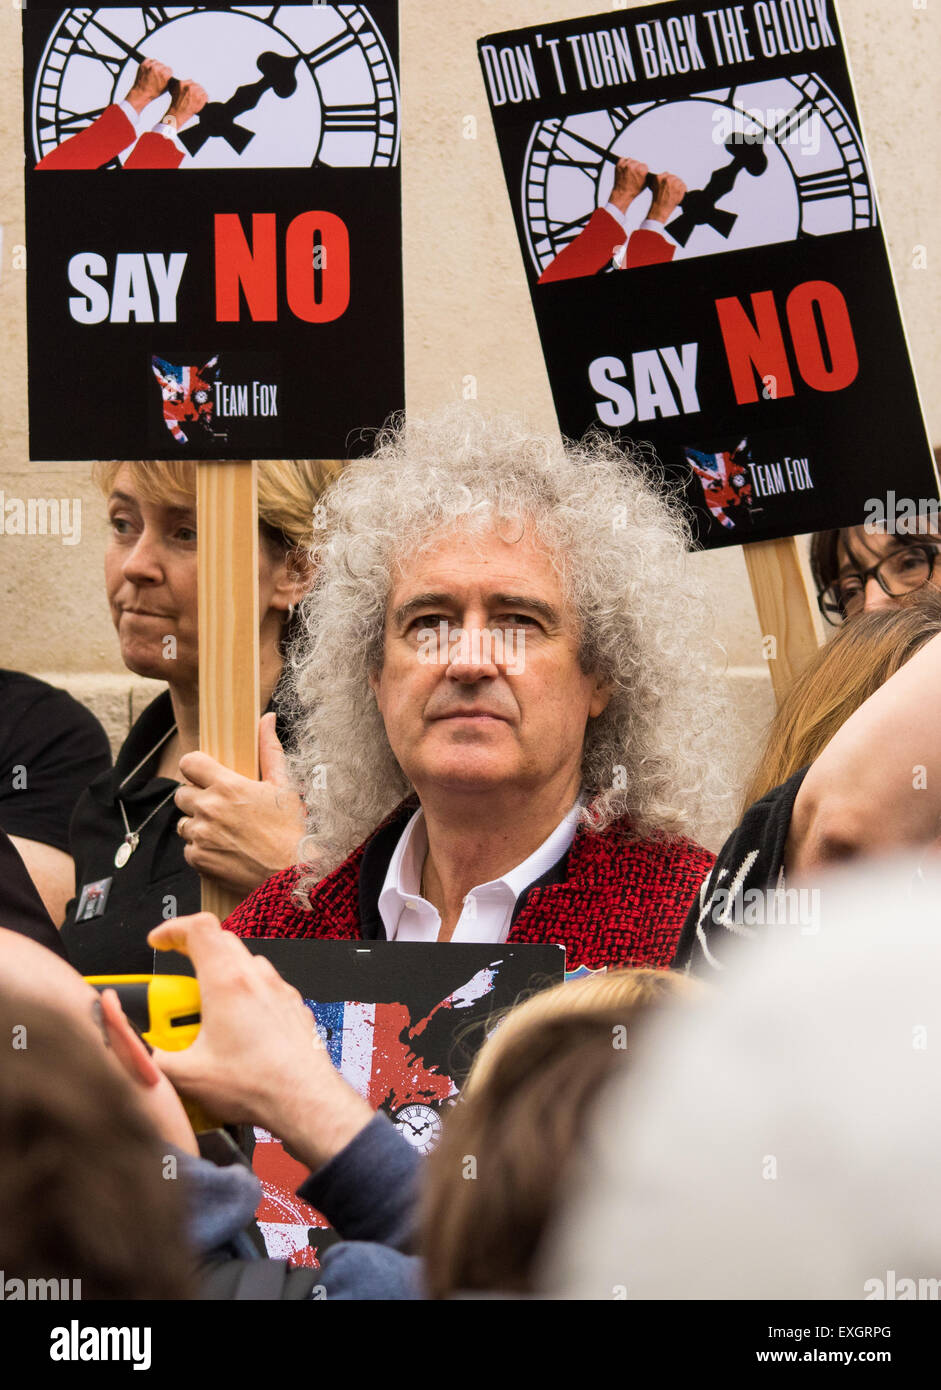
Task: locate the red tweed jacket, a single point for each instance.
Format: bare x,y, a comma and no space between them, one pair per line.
609,901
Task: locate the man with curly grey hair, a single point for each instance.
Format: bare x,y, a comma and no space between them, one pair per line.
503,704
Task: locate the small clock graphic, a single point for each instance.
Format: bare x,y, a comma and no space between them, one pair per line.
419,1125
764,162
288,85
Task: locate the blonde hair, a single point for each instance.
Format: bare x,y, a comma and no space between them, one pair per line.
289,490
842,676
612,990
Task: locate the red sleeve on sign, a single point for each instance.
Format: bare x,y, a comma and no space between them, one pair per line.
591,250
154,151
648,248
94,146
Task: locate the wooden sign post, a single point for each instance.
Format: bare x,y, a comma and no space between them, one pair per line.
227,518
783,606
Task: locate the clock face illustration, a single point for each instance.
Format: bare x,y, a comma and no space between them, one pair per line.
288,85
420,1125
764,162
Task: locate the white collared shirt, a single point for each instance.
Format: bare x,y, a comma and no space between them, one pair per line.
488,908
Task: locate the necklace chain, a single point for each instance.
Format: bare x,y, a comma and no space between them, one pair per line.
147,756
132,837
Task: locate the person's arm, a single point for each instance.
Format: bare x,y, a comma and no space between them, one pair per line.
368,1190
651,243
52,872
590,252
160,148
877,784
648,247
21,908
597,243
115,128
60,748
239,831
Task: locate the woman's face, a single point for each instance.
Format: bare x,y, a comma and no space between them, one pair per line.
868,548
151,583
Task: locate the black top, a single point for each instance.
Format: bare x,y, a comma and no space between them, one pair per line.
739,897
106,923
51,747
21,907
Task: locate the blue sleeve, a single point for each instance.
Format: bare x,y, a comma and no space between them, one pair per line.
359,1270
368,1191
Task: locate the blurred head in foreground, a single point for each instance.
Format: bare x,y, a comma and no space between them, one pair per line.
501,1167
84,1194
779,1140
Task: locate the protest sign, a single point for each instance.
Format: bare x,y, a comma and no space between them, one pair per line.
402,1021
706,260
214,229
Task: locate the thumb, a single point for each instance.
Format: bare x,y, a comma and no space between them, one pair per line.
272,763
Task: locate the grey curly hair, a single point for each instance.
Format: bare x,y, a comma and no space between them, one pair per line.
620,550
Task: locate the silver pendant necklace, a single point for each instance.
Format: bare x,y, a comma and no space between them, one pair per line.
132,837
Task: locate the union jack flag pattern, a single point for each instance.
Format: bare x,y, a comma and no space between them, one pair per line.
188,397
370,1044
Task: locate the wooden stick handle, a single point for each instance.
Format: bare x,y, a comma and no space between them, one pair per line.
789,639
227,517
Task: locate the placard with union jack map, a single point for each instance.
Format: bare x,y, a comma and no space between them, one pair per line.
402,1021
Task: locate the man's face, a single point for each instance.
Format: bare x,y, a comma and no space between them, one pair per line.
495,698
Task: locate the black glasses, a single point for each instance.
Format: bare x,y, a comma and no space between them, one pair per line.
898,574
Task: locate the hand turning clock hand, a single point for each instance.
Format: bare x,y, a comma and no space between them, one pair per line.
629,178
668,192
151,82
153,79
188,99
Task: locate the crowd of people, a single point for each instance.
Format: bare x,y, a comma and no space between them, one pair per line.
491,712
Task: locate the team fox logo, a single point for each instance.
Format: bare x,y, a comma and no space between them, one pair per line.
724,480
188,397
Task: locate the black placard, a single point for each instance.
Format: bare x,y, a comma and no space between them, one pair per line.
402,1021
248,302
758,345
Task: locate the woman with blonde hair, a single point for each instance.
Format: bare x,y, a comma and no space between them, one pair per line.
499,1173
137,858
